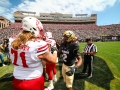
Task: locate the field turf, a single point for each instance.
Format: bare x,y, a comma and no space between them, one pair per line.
106,74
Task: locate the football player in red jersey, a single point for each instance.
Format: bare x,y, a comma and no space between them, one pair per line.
51,68
26,52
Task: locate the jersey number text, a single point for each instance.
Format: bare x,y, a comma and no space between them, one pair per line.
21,55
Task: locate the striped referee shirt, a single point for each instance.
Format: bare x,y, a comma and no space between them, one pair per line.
90,48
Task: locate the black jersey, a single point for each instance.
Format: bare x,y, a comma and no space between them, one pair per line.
69,53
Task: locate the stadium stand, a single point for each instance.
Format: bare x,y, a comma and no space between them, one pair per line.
82,31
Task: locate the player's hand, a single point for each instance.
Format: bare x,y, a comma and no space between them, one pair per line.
72,70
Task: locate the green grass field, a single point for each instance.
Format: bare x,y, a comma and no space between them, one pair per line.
106,74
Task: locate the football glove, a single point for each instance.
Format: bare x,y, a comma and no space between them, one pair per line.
53,49
72,70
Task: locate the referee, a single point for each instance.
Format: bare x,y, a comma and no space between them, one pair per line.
89,51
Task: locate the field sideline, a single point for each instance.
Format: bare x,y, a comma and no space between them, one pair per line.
106,74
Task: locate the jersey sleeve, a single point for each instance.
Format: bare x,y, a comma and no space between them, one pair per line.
43,47
48,41
51,42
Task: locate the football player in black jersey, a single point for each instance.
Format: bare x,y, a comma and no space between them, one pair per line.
70,51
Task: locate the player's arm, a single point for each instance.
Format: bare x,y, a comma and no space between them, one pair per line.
60,50
78,56
45,54
73,69
79,63
48,57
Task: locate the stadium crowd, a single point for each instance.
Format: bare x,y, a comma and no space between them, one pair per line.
82,31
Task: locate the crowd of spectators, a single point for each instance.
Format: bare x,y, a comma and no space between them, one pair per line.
11,30
84,30
81,30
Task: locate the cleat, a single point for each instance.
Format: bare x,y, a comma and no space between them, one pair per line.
89,76
3,65
55,79
50,87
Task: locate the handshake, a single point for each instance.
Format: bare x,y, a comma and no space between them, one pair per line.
72,70
53,49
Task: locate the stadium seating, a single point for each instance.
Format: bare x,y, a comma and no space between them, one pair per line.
82,31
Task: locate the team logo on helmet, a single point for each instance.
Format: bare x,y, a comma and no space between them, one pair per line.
70,35
33,25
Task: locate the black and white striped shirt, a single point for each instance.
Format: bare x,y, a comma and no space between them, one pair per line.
90,48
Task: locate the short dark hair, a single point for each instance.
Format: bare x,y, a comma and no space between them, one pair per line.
88,39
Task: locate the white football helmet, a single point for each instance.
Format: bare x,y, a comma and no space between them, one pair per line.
48,35
33,25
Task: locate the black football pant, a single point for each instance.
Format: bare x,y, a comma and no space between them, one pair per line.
88,62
